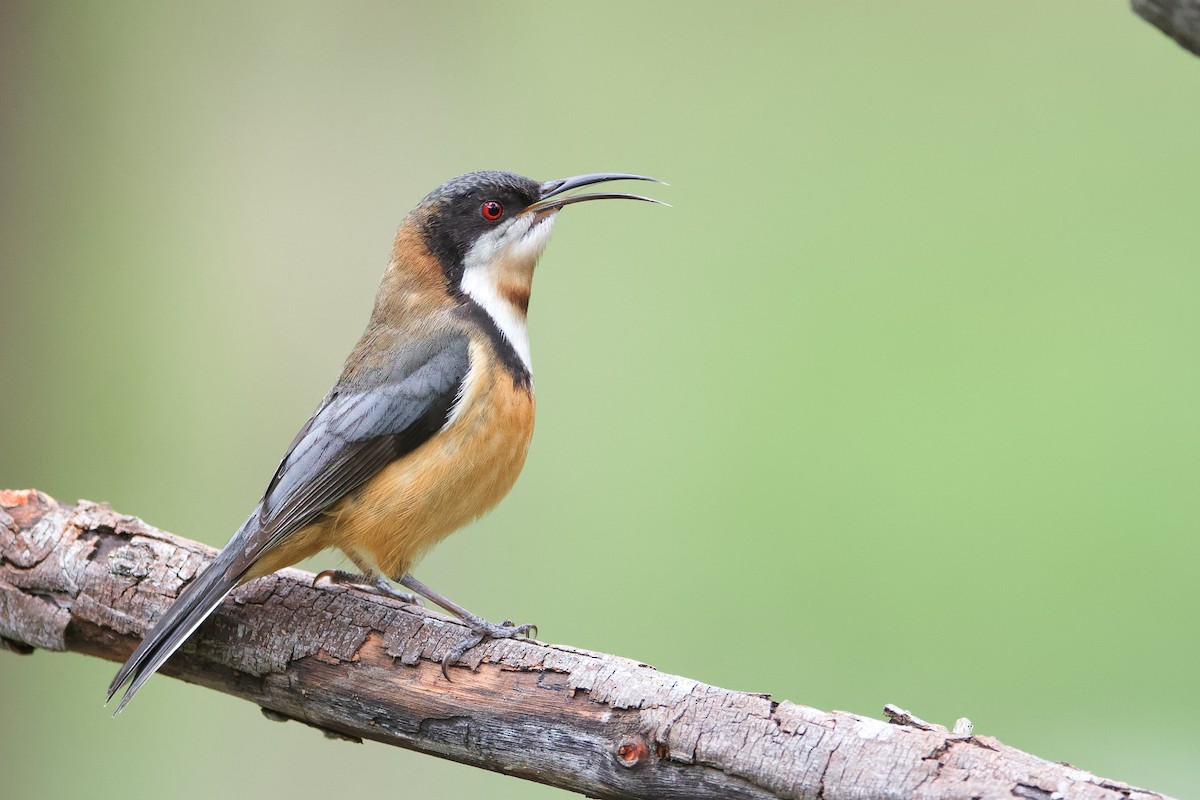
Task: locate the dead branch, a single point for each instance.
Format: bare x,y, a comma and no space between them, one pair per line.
1179,19
358,666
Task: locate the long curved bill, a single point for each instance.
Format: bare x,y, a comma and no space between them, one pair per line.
553,195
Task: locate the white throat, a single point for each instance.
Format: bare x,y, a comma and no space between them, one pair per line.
504,259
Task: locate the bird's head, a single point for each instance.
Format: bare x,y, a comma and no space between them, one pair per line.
485,231
492,225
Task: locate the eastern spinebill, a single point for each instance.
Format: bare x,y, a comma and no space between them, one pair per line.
429,422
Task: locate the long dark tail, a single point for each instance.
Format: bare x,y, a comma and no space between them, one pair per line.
198,599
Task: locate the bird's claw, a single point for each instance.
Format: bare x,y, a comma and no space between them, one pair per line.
331,575
458,651
507,630
485,631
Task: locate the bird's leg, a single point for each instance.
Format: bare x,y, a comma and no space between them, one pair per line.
369,579
481,629
505,630
376,585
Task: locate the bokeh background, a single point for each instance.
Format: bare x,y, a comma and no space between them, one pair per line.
899,403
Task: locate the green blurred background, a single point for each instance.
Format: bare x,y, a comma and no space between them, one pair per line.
897,404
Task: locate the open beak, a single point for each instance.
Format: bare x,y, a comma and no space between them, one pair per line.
552,196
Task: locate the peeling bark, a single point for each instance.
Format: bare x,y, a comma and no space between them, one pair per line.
358,666
1179,19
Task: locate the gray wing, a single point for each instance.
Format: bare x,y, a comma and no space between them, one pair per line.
357,431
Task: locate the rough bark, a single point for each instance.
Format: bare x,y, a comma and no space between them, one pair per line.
1179,19
359,666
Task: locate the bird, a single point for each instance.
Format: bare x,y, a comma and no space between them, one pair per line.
427,426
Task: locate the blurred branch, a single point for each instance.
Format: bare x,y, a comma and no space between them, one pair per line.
358,666
1179,19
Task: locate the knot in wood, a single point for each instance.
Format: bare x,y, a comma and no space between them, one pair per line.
632,752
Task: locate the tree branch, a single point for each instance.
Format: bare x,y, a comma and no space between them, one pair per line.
359,666
1179,19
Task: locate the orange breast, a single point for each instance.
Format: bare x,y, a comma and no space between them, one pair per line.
458,475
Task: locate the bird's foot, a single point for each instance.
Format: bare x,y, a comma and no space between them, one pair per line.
481,631
378,586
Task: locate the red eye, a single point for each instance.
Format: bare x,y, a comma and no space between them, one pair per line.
492,210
